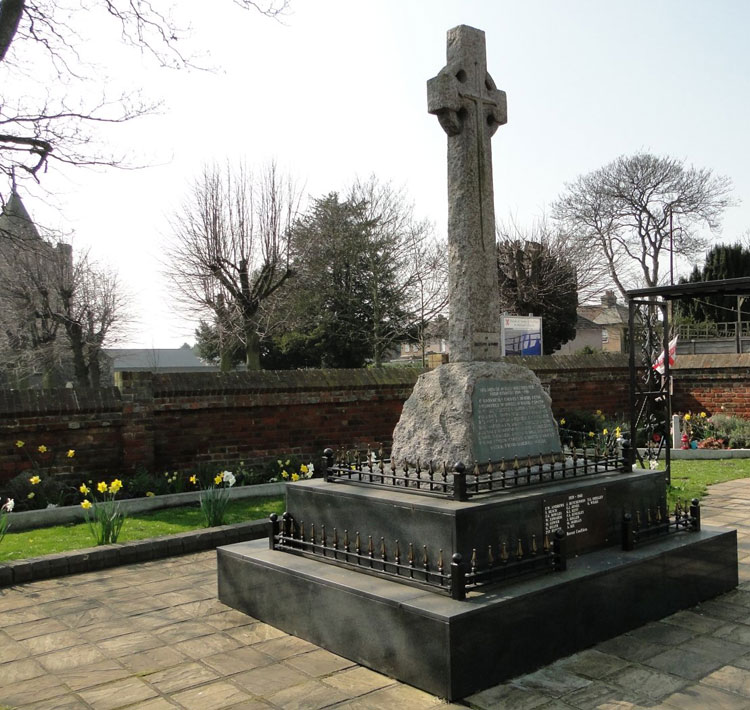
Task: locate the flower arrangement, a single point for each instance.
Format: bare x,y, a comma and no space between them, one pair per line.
289,471
41,490
103,514
5,508
214,499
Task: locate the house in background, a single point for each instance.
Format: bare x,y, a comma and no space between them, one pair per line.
588,336
609,318
154,360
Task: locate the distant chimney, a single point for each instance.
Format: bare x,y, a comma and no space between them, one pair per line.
609,299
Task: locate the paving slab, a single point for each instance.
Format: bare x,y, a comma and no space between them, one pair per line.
153,636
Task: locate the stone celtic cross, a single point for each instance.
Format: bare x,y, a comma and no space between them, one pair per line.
470,109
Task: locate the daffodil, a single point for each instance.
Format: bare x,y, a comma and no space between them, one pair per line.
31,495
20,444
284,474
34,480
150,494
218,478
41,448
618,432
85,504
71,453
703,415
295,477
115,485
605,432
303,468
84,489
562,422
591,435
101,487
687,417
193,479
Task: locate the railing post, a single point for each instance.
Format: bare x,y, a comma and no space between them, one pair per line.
458,578
695,515
287,522
273,530
628,540
327,463
627,461
459,482
559,547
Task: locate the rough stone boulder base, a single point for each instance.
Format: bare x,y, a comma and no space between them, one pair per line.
475,411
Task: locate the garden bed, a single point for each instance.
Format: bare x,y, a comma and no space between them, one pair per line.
29,519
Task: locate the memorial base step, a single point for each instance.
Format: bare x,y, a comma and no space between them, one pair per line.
454,648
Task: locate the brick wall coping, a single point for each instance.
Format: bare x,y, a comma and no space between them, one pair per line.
713,361
30,519
280,380
63,400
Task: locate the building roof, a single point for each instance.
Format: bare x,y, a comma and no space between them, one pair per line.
156,360
15,220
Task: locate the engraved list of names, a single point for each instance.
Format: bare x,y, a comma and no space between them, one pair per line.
511,418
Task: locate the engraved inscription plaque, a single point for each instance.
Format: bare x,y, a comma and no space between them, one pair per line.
583,516
511,418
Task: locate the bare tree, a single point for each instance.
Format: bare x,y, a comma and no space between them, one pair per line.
48,293
637,208
230,249
42,48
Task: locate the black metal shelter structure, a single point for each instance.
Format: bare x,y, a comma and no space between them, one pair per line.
649,332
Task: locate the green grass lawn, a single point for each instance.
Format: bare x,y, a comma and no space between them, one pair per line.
61,538
690,479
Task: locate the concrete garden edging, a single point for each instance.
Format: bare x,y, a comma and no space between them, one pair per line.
96,558
29,519
705,454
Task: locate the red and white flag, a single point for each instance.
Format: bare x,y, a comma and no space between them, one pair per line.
659,364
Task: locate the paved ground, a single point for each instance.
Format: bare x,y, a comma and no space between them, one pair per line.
153,636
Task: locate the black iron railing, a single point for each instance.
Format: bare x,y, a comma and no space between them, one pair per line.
642,527
417,565
459,483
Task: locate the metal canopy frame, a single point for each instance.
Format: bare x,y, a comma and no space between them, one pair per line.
650,394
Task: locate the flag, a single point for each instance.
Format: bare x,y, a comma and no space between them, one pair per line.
659,364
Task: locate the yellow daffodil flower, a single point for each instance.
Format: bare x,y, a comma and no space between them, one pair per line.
71,453
687,417
86,504
31,495
703,415
193,479
605,432
218,479
150,494
101,487
84,489
41,448
115,485
562,422
591,435
618,432
295,477
284,474
20,444
34,480
303,469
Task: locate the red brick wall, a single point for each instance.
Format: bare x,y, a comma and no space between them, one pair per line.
169,422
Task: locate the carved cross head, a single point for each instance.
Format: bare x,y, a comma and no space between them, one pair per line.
464,85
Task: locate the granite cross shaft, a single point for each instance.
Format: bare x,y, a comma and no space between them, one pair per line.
470,108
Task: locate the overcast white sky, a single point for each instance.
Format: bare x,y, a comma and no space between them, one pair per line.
338,90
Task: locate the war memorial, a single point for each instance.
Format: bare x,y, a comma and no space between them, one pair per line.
482,548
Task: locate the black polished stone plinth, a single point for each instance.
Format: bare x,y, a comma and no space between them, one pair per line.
590,509
454,648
